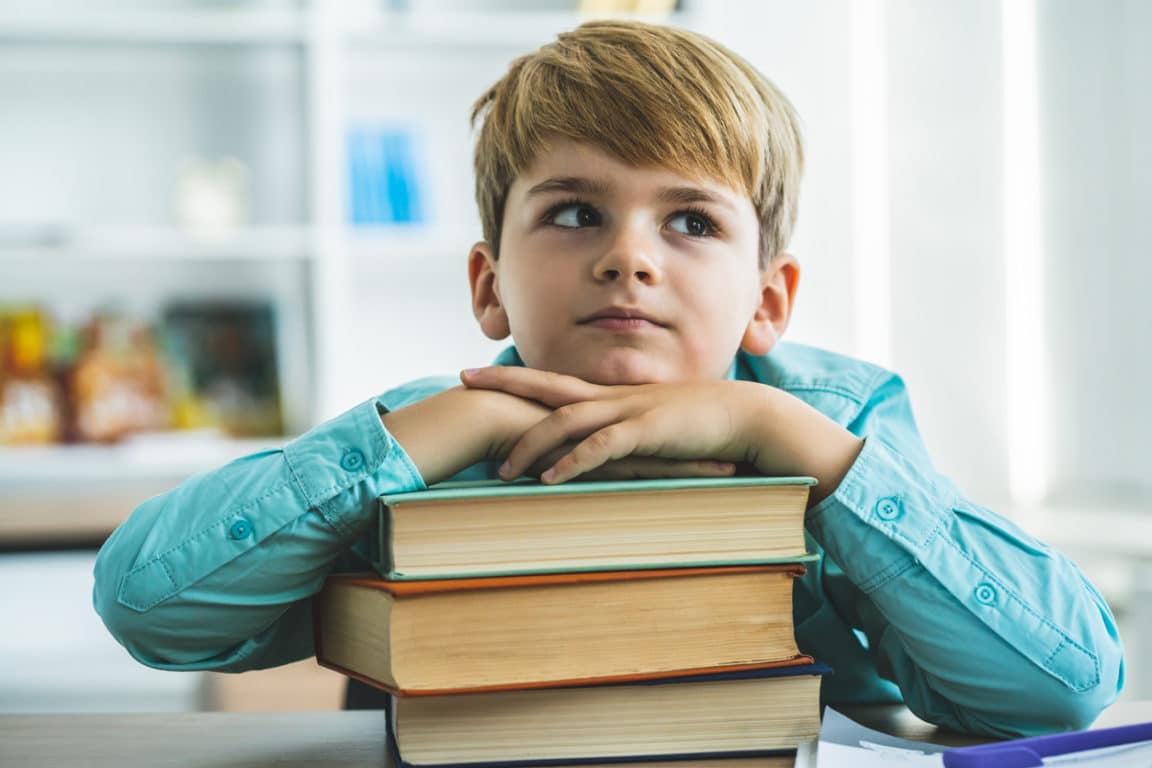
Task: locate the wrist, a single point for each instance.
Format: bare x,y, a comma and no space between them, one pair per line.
444,433
793,438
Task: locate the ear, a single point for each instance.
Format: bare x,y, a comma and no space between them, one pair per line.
777,293
486,304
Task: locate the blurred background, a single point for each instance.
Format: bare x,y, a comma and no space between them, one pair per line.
223,221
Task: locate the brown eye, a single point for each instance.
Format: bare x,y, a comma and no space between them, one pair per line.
574,216
692,224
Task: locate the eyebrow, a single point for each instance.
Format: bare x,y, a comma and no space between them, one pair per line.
579,185
686,195
570,184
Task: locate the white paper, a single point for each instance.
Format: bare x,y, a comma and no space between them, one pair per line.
845,743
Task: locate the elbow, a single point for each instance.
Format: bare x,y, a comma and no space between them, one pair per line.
1078,708
128,626
1045,703
1076,705
147,626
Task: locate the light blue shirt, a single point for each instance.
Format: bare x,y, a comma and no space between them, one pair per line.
921,595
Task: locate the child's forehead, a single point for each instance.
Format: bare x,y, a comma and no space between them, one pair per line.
571,160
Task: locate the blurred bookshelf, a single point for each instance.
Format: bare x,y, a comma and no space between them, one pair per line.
194,23
304,155
171,166
158,244
75,495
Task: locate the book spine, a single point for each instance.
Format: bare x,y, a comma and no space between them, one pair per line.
381,555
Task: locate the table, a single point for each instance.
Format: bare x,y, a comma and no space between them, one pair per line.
290,739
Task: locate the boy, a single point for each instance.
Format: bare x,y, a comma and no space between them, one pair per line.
637,187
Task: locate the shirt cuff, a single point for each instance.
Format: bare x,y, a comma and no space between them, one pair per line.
880,518
351,450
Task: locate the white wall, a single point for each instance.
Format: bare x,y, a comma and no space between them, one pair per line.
804,48
945,166
944,301
1096,77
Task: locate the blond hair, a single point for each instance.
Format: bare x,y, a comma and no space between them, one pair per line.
650,96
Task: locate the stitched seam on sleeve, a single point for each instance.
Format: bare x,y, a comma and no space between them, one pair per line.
379,448
144,606
208,529
1065,639
296,478
886,575
324,510
896,532
345,481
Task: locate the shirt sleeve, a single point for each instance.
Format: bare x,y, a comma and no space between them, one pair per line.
983,628
218,573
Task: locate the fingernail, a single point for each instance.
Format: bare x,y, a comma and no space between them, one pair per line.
548,476
470,371
505,468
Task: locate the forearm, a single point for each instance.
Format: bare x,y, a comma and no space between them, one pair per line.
217,573
457,428
792,438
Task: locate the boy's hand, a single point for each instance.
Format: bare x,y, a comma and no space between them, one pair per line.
459,427
511,416
730,421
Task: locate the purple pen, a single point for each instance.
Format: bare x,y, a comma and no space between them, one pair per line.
1027,753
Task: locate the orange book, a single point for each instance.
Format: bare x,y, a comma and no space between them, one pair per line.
547,630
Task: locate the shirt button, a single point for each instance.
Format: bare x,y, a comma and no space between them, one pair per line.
986,594
353,461
888,509
240,529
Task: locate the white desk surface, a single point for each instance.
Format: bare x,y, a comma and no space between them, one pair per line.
291,739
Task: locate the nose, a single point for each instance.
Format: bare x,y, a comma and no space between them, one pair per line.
630,254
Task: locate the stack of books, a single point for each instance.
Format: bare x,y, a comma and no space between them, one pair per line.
518,624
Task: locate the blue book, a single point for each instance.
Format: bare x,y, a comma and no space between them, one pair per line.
753,718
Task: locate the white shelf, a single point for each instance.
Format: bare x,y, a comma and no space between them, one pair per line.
81,493
465,32
417,249
159,244
180,27
142,458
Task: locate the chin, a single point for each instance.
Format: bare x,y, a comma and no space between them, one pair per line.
627,369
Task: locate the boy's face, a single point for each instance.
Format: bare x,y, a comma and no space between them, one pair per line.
626,275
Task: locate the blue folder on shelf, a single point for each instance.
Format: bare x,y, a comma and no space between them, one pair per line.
1027,753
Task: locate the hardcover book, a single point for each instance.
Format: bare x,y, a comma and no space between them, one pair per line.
755,715
498,528
443,636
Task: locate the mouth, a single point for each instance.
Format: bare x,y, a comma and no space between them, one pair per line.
621,319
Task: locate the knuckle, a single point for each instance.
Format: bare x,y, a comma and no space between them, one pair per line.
566,414
599,441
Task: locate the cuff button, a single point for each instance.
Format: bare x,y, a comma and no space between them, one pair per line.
352,461
240,529
888,509
986,594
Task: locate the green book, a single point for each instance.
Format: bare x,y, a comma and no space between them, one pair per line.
495,528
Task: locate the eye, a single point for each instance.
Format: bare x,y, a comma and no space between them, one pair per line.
573,216
693,224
